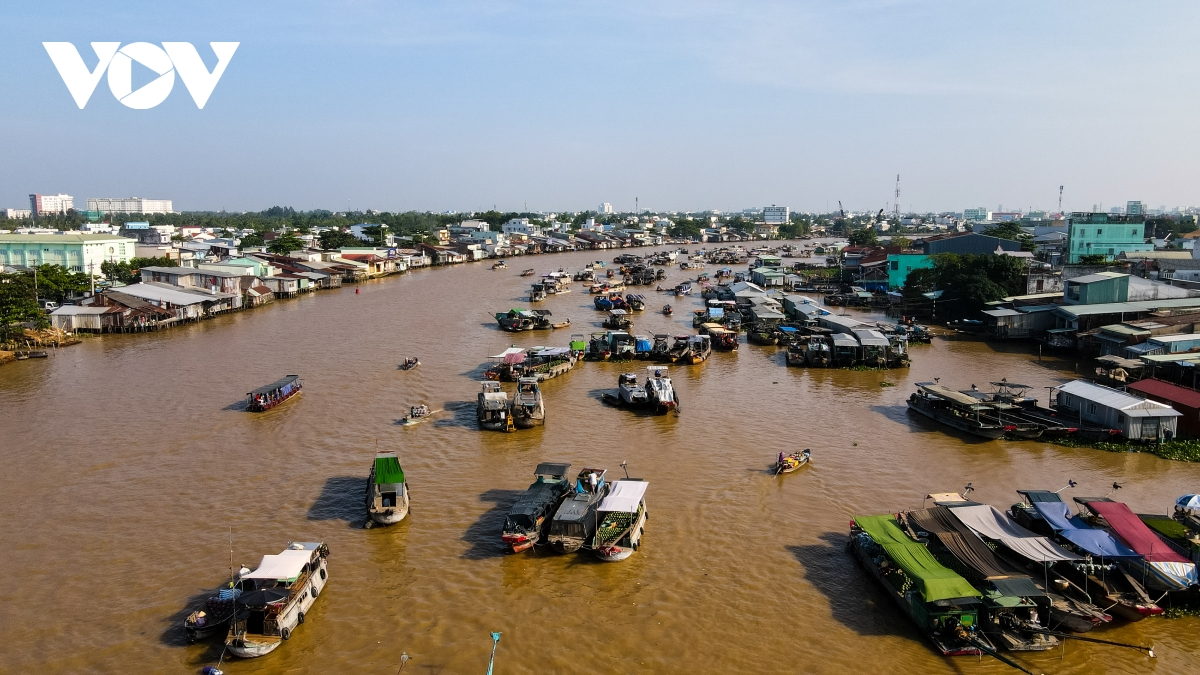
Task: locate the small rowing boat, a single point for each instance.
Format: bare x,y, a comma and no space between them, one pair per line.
792,462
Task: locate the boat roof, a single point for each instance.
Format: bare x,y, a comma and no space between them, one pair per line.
844,340
947,393
277,384
532,499
553,351
387,468
617,312
989,522
624,496
937,582
1035,496
1089,539
1134,532
552,469
286,566
964,545
511,351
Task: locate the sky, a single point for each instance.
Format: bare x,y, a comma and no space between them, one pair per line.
683,106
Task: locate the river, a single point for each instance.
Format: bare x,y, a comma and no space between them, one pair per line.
128,459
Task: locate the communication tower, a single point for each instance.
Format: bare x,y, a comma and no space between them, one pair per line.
897,205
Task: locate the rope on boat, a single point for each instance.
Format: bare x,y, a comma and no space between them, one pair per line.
1072,636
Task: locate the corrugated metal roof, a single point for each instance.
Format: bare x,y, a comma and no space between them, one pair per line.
1119,307
1093,278
1122,329
1168,339
1186,397
1109,398
1001,312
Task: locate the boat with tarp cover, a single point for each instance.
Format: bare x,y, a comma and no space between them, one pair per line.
1014,607
1099,574
285,586
529,517
621,518
965,413
387,492
937,599
1162,567
265,398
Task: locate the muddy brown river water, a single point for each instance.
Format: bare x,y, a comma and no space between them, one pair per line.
126,461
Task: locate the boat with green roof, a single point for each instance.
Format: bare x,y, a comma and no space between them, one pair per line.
387,491
944,605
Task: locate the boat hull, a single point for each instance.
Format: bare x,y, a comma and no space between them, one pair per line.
389,516
250,648
957,423
256,407
614,554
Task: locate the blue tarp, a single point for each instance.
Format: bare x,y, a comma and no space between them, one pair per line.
788,329
715,312
1069,527
643,346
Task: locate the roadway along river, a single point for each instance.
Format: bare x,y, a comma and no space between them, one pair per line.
128,458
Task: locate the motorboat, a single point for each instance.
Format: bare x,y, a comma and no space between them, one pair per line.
660,393
285,586
271,395
387,491
792,462
618,319
213,618
816,350
574,523
528,408
622,520
529,518
630,394
957,410
491,411
410,363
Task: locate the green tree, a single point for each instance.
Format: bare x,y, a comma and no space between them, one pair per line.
1011,231
252,239
130,272
56,282
332,240
902,242
967,282
1093,259
18,302
864,237
284,244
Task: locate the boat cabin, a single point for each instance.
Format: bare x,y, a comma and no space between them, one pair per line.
265,398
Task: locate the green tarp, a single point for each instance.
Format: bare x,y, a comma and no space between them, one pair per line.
937,581
387,470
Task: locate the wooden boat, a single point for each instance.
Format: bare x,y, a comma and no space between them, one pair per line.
666,310
285,588
410,363
516,320
762,334
792,462
954,409
944,607
683,289
416,414
1013,605
630,393
622,517
566,323
618,319
586,274
387,491
574,523
660,392
219,608
817,353
537,293
699,349
528,409
265,398
491,410
499,265
794,355
1162,567
529,518
723,339
636,302
527,273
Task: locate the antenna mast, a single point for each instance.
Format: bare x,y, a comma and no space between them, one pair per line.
1060,198
897,204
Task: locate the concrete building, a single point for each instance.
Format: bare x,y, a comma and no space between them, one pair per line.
129,205
605,208
900,264
1134,209
775,215
42,205
977,214
1095,289
1105,234
76,252
17,214
964,243
521,226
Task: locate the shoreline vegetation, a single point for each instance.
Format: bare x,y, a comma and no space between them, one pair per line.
1183,450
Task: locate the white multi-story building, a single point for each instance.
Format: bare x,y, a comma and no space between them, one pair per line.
130,205
17,214
977,214
48,204
521,226
775,215
605,208
1134,209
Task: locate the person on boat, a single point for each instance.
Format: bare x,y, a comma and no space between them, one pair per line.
780,462
593,480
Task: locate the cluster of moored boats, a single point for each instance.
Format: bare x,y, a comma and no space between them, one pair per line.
589,513
977,580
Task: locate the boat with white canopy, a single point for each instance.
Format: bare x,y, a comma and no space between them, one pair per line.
285,588
621,518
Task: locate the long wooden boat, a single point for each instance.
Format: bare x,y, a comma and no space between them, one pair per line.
574,523
793,462
528,408
941,603
285,588
622,520
529,518
387,491
265,398
1164,569
954,409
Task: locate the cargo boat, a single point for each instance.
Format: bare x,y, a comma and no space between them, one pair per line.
528,519
387,492
622,520
285,586
574,523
